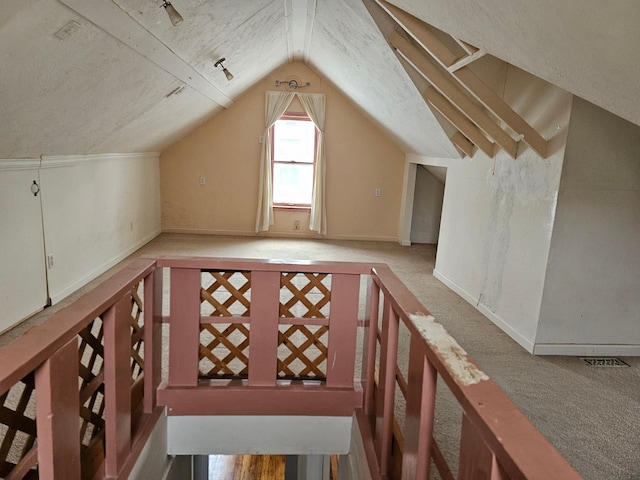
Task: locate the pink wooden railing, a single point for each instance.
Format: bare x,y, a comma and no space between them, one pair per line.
266,305
77,399
497,442
263,390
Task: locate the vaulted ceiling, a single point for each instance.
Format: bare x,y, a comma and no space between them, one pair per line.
107,76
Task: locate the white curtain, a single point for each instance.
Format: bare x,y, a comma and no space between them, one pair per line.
314,105
276,104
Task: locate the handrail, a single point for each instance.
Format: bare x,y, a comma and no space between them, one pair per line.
274,325
491,422
497,441
91,340
29,351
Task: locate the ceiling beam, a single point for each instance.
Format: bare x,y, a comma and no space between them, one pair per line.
467,78
462,123
421,32
119,24
466,60
300,17
463,143
504,112
441,82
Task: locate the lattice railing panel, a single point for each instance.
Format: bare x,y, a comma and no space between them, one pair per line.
18,426
302,351
92,404
305,295
224,350
225,294
137,335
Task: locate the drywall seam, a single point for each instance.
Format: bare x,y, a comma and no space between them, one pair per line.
523,341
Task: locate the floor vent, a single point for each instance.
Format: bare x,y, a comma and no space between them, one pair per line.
604,362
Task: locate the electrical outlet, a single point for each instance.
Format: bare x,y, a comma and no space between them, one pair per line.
296,224
202,180
378,192
50,261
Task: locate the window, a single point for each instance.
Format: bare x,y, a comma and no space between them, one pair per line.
294,154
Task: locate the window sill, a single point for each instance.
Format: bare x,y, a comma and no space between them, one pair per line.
292,207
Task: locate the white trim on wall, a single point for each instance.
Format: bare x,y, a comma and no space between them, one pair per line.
499,322
251,233
19,164
586,350
54,161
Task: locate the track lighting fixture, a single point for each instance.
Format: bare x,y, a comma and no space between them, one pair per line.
226,72
174,16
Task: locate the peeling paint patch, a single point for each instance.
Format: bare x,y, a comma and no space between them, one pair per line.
465,373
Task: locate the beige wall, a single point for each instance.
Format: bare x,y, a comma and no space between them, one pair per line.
226,151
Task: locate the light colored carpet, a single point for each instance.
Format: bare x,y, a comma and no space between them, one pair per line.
591,414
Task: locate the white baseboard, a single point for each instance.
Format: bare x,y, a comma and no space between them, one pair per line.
305,235
523,341
585,350
55,298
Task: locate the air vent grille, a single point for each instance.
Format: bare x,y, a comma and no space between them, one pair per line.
604,362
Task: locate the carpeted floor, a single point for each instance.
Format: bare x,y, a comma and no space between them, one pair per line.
591,414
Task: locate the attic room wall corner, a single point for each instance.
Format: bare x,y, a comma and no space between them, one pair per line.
406,205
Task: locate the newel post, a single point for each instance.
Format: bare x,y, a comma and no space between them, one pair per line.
57,413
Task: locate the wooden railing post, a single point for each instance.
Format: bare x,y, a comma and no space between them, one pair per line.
370,344
57,410
152,337
343,325
421,402
386,387
263,332
117,381
476,459
184,343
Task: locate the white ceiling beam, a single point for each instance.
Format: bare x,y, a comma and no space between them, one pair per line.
463,143
421,33
462,123
114,20
466,60
467,78
442,82
467,47
300,17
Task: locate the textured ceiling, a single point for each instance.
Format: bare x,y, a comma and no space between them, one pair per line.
103,84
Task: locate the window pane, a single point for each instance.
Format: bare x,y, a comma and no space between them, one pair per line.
292,183
293,141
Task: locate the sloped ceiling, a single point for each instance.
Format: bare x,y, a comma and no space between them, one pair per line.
106,76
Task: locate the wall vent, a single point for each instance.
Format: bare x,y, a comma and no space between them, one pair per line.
604,362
